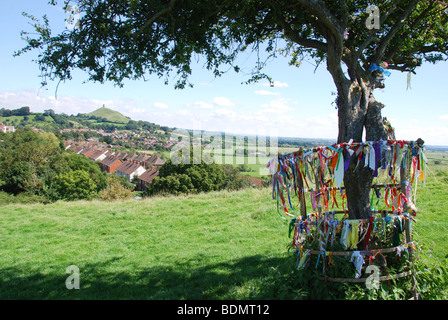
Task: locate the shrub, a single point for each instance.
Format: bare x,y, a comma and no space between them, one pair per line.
79,162
6,198
115,190
18,177
172,184
74,185
29,198
26,158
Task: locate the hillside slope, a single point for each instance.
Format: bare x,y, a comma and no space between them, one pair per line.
110,115
219,245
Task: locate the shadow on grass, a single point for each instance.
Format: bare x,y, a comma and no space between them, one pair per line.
253,277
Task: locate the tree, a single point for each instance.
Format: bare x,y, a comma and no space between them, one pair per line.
201,177
79,162
75,185
129,39
172,184
19,177
24,111
115,190
26,158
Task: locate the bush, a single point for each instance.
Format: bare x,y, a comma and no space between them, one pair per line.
187,178
26,157
172,184
115,190
74,185
79,162
6,198
18,177
29,198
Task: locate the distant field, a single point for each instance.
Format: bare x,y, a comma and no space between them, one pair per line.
17,119
256,163
437,159
432,201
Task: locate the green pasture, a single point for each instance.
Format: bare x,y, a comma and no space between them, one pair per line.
223,245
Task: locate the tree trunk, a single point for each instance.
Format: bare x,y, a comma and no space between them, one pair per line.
358,111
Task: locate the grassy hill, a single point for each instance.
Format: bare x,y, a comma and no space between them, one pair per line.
110,115
222,245
219,245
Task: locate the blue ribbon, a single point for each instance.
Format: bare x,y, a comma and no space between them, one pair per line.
374,67
318,257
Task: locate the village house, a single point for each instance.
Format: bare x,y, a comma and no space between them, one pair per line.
6,129
110,164
146,178
122,156
97,155
86,152
129,170
143,157
154,161
67,145
77,150
131,156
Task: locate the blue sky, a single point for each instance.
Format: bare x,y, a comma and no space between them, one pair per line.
299,105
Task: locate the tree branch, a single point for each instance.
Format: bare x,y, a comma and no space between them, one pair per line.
157,15
318,8
294,37
345,13
372,33
386,40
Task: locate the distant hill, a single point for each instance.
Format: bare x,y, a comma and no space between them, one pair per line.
110,115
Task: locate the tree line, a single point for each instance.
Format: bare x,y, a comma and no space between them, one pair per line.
24,111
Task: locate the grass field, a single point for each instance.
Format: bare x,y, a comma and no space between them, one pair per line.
432,201
221,245
210,246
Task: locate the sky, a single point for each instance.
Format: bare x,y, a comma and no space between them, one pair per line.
299,105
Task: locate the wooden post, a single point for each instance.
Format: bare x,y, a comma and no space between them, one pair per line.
404,182
302,197
319,180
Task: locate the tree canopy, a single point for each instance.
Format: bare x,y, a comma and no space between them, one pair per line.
129,39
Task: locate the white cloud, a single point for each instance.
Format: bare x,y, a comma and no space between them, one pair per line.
281,105
200,105
223,102
184,113
223,113
161,105
279,114
266,93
